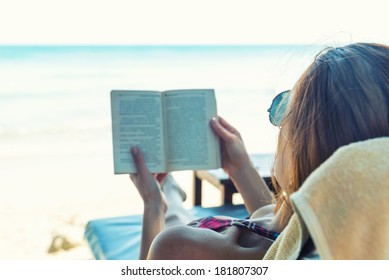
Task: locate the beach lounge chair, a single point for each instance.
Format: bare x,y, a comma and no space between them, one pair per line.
341,212
118,238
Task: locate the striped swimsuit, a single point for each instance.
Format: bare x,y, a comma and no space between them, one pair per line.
217,224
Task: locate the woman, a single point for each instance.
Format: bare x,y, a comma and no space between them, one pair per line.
341,98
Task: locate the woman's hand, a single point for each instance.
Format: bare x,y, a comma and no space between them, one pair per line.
237,163
155,204
148,184
234,154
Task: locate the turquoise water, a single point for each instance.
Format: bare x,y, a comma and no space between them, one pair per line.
63,91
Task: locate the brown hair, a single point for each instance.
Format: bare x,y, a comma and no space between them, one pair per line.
341,98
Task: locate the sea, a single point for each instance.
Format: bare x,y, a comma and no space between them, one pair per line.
56,165
48,93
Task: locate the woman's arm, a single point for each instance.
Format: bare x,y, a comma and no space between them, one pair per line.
237,163
154,201
153,224
252,187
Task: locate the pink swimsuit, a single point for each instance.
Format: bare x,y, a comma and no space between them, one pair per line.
217,224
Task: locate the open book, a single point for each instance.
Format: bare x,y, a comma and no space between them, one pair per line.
171,128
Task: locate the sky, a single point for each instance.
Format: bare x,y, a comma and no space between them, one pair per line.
158,22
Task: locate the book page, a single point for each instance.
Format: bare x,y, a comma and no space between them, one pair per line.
190,141
137,121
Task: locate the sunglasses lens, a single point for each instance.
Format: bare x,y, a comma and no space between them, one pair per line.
278,107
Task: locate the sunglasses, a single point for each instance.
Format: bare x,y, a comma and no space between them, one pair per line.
278,107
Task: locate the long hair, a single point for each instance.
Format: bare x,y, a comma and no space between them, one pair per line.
342,97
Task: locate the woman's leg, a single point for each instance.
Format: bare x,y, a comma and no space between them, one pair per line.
176,213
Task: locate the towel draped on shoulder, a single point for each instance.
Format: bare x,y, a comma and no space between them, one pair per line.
343,206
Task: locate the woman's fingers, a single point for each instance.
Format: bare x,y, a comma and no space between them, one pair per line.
139,161
229,127
221,131
225,124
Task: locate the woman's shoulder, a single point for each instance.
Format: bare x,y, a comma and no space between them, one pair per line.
264,212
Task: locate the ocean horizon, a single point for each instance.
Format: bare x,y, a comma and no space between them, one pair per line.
64,89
